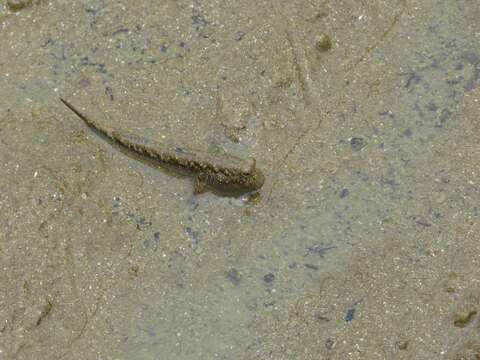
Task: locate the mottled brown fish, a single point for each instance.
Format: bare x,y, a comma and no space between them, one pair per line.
227,174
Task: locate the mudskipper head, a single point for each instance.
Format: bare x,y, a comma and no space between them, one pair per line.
234,180
254,178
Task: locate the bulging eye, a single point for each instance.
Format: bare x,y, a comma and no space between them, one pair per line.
248,166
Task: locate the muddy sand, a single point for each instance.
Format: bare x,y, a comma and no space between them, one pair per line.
363,243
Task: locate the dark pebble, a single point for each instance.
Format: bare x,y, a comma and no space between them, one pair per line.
432,107
269,278
323,42
192,234
239,35
408,132
344,193
322,318
142,223
357,143
120,31
464,317
233,276
350,315
311,266
329,343
109,92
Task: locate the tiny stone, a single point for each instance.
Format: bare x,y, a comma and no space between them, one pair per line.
134,270
321,14
344,193
233,276
357,143
350,315
311,266
402,345
329,344
323,42
462,318
269,278
408,132
16,5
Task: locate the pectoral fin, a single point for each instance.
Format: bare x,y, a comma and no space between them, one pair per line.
200,185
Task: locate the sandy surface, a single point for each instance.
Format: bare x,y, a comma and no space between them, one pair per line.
364,243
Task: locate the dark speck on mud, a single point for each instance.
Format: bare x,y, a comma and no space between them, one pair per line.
268,278
311,266
350,315
319,250
357,143
233,276
344,193
408,132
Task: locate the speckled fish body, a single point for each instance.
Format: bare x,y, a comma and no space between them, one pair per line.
225,172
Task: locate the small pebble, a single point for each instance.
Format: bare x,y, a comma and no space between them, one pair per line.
269,278
408,133
329,344
323,42
463,318
402,345
357,143
311,266
350,315
344,193
134,270
233,276
16,5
